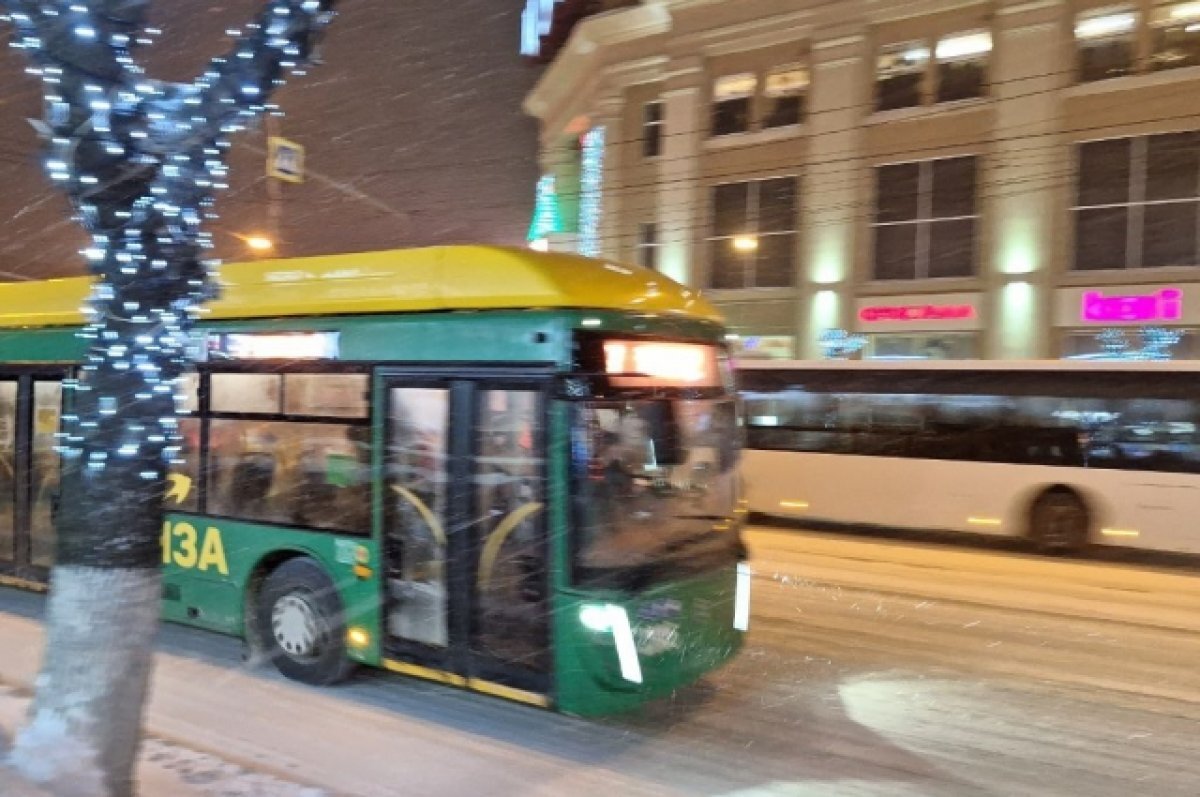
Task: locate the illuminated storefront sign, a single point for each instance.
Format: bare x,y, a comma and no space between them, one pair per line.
916,312
1161,305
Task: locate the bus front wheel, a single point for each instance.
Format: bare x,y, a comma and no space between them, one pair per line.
1059,521
301,621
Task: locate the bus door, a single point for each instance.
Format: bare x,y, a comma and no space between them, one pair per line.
465,547
30,408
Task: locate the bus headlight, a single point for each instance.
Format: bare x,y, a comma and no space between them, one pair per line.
741,600
610,618
596,618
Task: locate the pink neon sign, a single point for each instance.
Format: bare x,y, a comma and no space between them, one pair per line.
916,312
1164,305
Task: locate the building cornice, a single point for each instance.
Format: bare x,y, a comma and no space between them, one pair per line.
582,56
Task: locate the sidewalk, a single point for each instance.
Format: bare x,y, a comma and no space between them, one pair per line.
389,736
169,766
168,769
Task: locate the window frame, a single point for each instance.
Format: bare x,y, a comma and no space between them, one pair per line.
1159,28
753,227
653,129
771,98
743,97
648,245
206,416
925,219
931,66
941,61
1135,204
1127,38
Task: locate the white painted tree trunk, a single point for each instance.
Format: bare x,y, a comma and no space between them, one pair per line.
139,160
100,626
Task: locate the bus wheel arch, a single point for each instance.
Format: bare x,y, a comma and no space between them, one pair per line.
251,627
296,620
1060,519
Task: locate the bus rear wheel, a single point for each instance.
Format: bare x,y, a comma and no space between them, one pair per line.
301,622
1059,522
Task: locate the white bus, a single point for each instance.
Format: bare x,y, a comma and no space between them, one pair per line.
1063,453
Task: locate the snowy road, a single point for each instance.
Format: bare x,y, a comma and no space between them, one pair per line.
874,667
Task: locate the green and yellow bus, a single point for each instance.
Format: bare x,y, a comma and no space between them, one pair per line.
505,470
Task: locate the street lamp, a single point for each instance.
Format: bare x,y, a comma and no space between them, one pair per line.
745,243
257,243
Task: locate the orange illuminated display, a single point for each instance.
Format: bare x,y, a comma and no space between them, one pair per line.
640,362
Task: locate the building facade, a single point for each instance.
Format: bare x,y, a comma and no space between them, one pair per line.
915,178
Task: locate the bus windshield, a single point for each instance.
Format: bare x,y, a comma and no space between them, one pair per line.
654,483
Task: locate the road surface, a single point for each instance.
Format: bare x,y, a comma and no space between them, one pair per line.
873,667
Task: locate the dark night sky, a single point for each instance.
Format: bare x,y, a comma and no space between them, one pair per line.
413,129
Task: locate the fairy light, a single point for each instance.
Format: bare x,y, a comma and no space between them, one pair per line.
164,146
591,191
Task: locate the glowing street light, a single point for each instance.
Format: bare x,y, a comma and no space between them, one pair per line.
745,243
259,243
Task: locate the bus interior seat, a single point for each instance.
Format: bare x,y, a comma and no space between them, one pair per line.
251,481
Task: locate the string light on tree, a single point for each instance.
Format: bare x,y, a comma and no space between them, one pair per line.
591,198
140,160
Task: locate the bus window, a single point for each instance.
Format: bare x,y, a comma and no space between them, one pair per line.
259,394
511,613
185,495
8,458
328,395
630,509
417,476
47,403
303,474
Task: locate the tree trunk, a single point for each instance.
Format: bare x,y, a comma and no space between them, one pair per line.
140,161
85,722
105,588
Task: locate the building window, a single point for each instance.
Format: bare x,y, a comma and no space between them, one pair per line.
1175,33
922,346
962,65
902,71
647,245
785,90
753,241
1138,202
1132,343
925,219
732,96
900,74
1106,38
652,129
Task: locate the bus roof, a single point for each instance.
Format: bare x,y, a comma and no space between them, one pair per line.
396,281
1084,366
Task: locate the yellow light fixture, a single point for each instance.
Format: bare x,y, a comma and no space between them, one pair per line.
259,243
745,243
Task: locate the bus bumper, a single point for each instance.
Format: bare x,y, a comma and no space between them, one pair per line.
616,652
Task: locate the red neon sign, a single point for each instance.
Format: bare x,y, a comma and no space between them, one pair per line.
916,312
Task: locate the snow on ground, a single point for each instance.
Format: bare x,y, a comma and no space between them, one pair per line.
166,769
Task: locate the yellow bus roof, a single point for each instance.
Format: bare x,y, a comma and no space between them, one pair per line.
396,281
